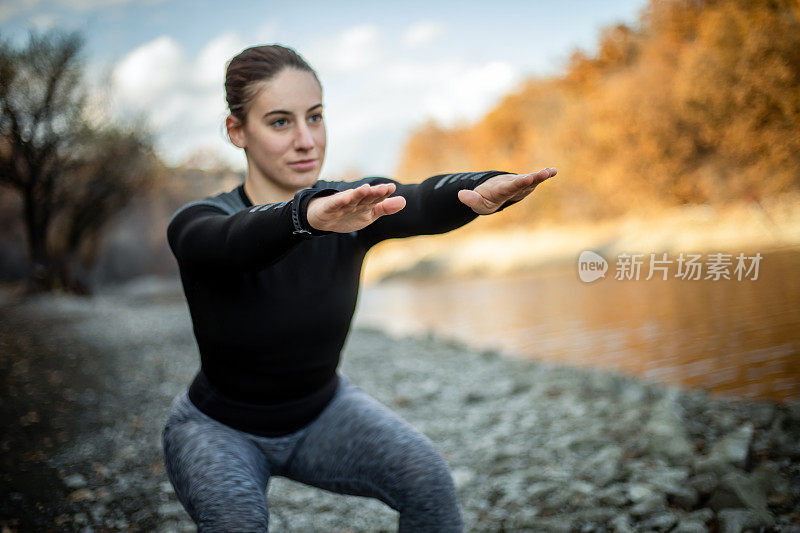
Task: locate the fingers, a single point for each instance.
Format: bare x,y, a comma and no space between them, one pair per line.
501,188
363,196
538,177
375,194
530,181
388,206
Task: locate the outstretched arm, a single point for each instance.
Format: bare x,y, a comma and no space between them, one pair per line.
432,206
437,205
205,238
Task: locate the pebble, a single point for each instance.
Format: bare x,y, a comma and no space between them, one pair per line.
532,446
75,481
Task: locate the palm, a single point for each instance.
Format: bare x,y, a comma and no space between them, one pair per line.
490,195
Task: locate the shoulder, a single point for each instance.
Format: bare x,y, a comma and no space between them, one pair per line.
226,203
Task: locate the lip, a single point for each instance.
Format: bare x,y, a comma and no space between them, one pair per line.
305,164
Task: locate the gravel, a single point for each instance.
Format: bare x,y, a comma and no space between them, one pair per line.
532,446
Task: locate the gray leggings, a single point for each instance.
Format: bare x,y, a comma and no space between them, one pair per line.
355,446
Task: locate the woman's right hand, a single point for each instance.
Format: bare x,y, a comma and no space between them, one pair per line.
353,209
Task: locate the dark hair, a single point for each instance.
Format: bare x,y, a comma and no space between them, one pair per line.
251,68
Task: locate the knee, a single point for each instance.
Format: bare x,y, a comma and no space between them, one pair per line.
428,497
428,464
214,514
426,476
231,524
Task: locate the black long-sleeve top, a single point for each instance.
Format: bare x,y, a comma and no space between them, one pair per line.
271,307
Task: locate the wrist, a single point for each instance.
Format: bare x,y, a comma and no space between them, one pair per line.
300,202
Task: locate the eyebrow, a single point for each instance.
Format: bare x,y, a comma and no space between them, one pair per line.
281,111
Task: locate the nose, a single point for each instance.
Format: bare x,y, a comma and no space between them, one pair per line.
302,138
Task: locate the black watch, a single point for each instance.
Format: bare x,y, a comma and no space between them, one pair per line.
300,209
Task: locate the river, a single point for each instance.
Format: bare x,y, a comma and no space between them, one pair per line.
737,338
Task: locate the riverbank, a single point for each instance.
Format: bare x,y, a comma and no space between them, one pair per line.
533,447
472,250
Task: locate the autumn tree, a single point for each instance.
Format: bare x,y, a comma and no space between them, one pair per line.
698,102
73,175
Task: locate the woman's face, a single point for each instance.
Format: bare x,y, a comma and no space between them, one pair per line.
284,137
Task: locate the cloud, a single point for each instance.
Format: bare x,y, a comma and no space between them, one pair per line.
374,95
182,97
353,49
209,67
421,33
372,104
86,5
463,92
265,33
370,113
10,8
43,21
149,73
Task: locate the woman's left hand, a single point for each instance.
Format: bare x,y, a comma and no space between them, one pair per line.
490,195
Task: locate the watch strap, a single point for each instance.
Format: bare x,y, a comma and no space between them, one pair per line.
300,212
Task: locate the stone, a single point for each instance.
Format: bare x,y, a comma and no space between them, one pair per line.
554,525
592,517
769,477
712,464
659,522
604,466
683,496
614,495
81,495
704,483
649,505
762,413
739,491
703,515
538,491
75,481
690,526
639,491
739,520
170,509
793,411
462,476
734,447
666,433
621,524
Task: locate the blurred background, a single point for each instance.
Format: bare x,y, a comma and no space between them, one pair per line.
674,125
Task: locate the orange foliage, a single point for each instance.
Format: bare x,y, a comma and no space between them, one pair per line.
698,104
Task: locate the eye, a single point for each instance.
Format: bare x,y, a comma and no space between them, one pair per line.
278,122
316,117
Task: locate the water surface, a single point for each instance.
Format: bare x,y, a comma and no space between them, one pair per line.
734,338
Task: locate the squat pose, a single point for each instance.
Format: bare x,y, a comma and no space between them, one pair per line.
270,271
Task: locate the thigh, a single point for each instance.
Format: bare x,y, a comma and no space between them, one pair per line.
359,446
219,476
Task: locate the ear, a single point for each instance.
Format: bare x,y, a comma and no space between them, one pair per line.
235,133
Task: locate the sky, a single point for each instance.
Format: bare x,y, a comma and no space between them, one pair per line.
386,67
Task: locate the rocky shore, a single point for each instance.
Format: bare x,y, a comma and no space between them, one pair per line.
533,447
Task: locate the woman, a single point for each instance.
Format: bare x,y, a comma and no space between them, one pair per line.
271,272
